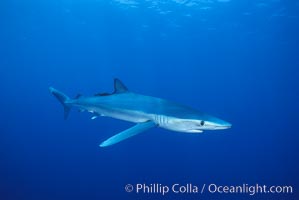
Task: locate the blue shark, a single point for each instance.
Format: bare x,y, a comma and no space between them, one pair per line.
146,111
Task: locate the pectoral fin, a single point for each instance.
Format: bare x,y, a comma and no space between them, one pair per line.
138,128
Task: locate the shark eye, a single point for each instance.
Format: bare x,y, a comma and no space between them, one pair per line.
202,123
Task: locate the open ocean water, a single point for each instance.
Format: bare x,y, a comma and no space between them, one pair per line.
235,59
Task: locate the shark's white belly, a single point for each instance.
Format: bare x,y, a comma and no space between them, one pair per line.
163,121
126,115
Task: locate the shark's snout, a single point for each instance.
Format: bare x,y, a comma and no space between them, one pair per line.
223,125
216,124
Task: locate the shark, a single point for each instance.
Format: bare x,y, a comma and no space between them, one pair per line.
146,111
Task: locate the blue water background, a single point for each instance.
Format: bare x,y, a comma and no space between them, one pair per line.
237,60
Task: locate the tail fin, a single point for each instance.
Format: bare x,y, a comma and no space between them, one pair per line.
62,98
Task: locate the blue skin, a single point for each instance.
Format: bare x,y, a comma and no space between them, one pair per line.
150,111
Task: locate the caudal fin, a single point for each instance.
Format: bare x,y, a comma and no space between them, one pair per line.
62,98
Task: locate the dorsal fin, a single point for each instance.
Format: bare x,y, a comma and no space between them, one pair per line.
119,87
